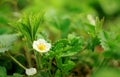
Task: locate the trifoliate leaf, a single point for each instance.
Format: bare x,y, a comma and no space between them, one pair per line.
103,36
6,42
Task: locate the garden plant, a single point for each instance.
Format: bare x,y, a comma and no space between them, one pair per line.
59,38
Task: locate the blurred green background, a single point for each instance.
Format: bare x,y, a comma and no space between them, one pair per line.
62,17
11,10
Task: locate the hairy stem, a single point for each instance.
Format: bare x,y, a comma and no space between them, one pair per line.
16,61
28,58
38,60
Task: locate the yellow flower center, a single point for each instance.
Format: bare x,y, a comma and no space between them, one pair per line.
41,47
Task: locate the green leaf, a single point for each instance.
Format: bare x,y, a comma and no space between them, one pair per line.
69,65
29,25
90,29
17,75
68,47
6,42
58,73
59,62
103,72
109,7
92,43
60,45
76,43
99,24
64,25
67,54
3,72
104,38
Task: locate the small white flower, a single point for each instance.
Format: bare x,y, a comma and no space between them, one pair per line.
31,71
91,19
41,45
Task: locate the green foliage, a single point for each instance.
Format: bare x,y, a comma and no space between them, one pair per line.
104,40
110,44
114,6
59,21
99,24
6,42
58,73
74,28
3,72
5,61
103,72
62,51
29,24
94,33
21,59
67,66
17,75
68,47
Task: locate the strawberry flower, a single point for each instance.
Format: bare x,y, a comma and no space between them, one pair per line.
31,71
41,45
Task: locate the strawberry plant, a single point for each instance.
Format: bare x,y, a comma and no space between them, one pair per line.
62,38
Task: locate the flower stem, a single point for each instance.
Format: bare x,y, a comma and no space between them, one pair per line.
38,60
27,54
49,68
17,61
28,58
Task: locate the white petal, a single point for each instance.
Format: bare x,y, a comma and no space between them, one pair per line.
35,46
48,46
31,71
41,41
